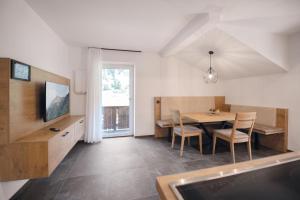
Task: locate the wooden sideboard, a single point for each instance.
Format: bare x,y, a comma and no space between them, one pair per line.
39,153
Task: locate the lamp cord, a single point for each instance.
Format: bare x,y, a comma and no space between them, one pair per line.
209,63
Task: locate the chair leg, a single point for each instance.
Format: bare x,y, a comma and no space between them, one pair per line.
214,145
182,145
173,140
189,140
249,149
200,144
232,151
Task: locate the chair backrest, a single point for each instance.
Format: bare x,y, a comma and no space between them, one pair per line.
176,118
244,120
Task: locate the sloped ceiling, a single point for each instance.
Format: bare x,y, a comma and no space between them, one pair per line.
248,36
232,59
148,25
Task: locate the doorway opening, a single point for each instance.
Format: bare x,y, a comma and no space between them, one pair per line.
117,100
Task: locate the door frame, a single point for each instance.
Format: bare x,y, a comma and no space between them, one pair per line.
131,67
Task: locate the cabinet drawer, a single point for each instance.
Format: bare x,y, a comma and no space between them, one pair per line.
79,129
59,146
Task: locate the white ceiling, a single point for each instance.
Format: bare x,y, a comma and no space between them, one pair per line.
187,29
149,25
232,59
126,24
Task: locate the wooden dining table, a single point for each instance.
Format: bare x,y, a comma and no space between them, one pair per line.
210,117
205,117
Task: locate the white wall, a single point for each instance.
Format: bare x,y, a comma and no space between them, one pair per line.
78,61
181,79
280,90
27,38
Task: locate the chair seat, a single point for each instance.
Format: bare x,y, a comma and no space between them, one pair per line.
187,129
226,134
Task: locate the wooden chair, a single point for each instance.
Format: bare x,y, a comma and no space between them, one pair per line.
184,131
233,136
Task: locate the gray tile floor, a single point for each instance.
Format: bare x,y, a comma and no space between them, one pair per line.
123,168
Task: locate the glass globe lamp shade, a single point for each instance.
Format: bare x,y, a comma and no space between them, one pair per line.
211,76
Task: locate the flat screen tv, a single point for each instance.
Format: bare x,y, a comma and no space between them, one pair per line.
57,100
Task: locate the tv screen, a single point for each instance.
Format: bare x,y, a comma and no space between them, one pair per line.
57,100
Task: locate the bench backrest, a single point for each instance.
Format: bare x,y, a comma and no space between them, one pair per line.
185,105
264,115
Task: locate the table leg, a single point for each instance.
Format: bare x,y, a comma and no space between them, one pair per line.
256,141
203,127
207,145
170,134
224,124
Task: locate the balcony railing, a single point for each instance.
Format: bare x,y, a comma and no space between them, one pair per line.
115,118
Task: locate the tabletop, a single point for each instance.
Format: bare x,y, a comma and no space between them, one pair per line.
208,117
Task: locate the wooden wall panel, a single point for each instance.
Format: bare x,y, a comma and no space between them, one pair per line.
186,104
219,102
226,108
4,100
265,115
159,132
21,161
26,101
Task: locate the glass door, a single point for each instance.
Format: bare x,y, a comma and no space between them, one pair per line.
117,100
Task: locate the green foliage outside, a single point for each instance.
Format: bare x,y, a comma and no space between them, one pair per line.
115,80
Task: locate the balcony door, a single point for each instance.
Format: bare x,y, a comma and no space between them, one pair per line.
117,100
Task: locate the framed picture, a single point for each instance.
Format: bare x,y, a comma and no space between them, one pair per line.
20,71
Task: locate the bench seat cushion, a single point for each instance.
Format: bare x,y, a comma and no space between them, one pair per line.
264,129
267,130
164,123
187,129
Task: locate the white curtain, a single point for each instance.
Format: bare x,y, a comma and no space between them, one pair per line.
94,130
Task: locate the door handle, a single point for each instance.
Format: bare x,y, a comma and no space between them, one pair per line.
65,134
81,122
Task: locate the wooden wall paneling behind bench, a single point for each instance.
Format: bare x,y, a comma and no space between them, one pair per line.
159,132
185,104
219,102
4,104
164,105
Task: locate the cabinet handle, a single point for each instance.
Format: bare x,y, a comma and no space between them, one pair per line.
64,135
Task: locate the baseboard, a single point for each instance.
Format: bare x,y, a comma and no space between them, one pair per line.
16,196
140,136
